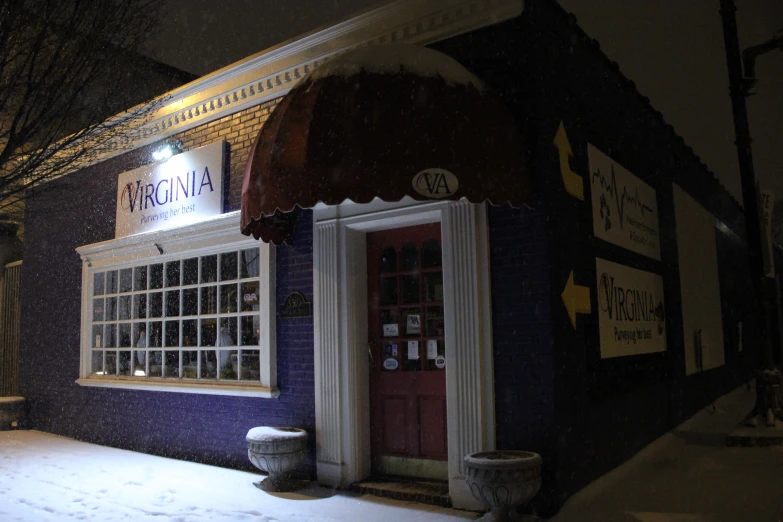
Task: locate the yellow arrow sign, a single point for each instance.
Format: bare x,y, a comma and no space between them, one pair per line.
576,299
574,184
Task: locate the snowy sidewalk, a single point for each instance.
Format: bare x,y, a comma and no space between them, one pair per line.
49,478
689,475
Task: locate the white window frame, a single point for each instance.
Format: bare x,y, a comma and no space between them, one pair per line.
211,236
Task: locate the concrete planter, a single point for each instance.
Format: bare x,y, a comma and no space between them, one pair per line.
503,480
12,411
277,451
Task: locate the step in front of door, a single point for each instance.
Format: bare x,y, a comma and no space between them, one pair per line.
435,493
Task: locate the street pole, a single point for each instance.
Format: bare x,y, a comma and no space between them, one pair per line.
767,379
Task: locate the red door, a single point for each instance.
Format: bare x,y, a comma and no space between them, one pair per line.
405,318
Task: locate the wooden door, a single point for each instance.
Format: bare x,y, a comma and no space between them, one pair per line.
407,349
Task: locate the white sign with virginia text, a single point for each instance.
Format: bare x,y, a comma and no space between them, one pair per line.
186,188
625,210
631,312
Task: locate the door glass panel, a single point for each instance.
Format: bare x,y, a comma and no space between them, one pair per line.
410,289
434,323
430,254
388,260
436,355
390,323
411,353
410,257
433,287
411,322
389,290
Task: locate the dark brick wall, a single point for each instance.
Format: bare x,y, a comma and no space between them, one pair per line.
79,210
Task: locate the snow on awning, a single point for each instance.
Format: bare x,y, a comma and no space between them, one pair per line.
383,121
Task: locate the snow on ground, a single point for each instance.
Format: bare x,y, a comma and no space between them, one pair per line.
45,477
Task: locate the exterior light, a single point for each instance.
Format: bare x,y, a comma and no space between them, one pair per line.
163,153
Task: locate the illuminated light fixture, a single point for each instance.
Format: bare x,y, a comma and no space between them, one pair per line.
162,154
139,373
167,151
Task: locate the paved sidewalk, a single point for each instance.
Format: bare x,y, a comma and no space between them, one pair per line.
689,475
44,478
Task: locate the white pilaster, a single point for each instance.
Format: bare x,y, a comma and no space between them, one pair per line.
469,372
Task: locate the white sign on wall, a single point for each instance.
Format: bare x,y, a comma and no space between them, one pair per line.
625,209
631,311
185,189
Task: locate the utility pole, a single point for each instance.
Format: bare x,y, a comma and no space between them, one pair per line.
768,406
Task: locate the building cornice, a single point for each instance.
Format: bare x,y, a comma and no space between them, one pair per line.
273,72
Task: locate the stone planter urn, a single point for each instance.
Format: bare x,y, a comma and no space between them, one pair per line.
276,451
503,480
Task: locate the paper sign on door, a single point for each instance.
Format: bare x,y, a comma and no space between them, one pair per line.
432,349
390,330
413,349
414,324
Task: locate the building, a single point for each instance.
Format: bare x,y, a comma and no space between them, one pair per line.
580,325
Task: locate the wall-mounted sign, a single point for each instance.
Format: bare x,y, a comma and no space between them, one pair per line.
435,183
296,305
625,209
631,311
186,188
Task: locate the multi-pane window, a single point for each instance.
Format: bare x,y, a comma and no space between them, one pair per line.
194,318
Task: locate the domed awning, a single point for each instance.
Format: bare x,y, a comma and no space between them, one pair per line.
385,121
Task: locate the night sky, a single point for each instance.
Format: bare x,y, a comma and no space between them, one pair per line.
672,49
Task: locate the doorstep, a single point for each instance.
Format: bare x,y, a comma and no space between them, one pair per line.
433,492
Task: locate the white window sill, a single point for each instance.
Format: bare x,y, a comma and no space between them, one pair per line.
211,388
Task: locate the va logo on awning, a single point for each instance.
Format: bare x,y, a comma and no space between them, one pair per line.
435,183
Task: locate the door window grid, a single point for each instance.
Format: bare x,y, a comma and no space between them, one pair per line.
409,286
135,337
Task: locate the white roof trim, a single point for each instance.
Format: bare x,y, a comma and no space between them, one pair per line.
273,72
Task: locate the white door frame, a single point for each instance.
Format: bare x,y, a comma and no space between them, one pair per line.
342,396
